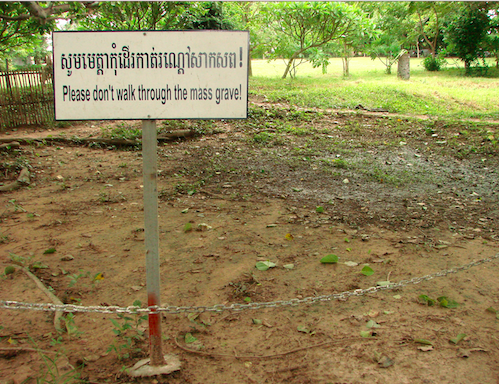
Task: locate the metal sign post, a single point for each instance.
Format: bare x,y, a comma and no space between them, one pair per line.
149,75
150,171
157,364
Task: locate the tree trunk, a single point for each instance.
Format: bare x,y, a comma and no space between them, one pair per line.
346,68
345,59
467,67
288,67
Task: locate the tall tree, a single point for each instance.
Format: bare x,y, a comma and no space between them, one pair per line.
302,26
395,32
429,19
467,32
247,15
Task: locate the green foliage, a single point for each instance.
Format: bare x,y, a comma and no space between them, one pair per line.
264,265
75,277
446,302
138,15
263,137
301,26
467,32
211,16
50,372
122,131
386,50
71,328
443,301
128,334
20,260
369,87
432,64
458,338
329,259
367,270
424,299
428,18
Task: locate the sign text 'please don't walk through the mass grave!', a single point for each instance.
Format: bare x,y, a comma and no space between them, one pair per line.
150,75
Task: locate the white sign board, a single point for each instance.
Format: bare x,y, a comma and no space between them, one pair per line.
150,75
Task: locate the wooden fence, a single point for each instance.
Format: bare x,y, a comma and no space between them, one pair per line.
26,98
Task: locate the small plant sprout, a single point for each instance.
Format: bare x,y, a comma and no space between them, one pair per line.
129,333
71,328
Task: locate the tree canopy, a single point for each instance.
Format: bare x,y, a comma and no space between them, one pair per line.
293,31
302,26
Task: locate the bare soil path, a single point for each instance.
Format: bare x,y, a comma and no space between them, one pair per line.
405,196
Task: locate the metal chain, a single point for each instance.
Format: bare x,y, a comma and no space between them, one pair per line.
239,307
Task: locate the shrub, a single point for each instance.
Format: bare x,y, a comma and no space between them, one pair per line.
432,64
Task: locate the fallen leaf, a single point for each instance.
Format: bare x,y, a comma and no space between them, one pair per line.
467,352
267,324
367,270
458,338
189,338
302,328
202,227
136,287
351,263
366,334
372,324
99,276
385,362
373,313
383,283
264,265
289,236
426,348
329,259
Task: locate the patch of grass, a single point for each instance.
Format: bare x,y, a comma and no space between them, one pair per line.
445,93
263,137
51,368
122,131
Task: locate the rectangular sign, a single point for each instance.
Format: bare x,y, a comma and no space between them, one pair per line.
150,75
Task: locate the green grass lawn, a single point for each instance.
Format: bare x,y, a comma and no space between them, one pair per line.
447,93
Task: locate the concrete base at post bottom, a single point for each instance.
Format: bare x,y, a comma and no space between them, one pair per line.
143,369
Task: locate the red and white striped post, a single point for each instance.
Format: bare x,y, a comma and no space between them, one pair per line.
151,228
158,363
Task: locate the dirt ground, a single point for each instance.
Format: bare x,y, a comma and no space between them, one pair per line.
405,196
